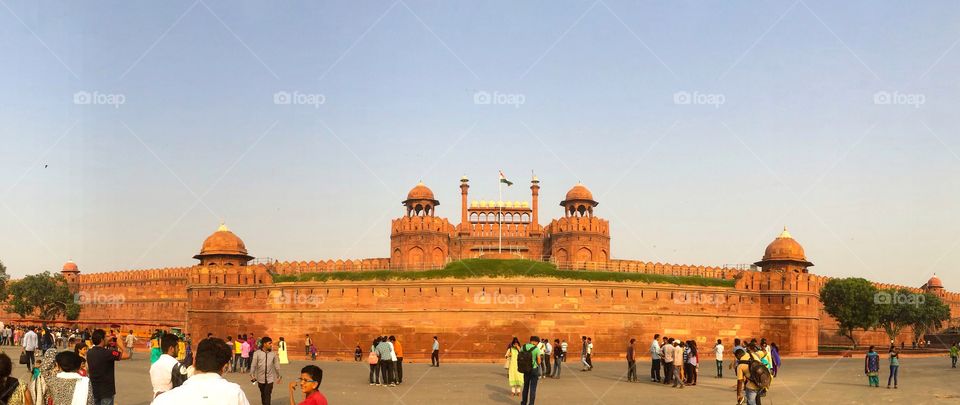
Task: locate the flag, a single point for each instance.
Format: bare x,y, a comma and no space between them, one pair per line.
503,179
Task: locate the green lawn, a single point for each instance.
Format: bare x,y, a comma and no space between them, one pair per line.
492,268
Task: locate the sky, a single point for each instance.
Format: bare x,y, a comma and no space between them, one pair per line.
128,131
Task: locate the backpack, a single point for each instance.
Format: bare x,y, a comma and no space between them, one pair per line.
177,377
525,360
759,373
372,358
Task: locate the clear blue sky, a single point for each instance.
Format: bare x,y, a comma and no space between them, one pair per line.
870,189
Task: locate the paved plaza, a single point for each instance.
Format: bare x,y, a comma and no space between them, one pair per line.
802,381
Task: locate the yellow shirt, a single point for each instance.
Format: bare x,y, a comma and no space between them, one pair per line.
237,347
743,370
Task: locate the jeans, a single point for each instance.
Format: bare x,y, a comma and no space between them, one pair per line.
631,370
751,396
655,370
374,377
546,365
953,361
590,359
556,367
667,372
30,359
720,368
676,375
530,387
386,372
583,359
893,375
399,369
435,358
103,401
266,391
236,361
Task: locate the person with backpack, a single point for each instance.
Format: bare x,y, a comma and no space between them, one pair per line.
871,367
373,359
753,377
161,370
514,377
528,363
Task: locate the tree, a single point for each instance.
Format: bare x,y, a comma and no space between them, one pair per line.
4,278
895,313
930,314
852,302
44,295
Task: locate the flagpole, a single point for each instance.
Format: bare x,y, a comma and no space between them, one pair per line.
500,216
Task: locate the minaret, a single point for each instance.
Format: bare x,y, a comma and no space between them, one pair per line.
534,198
464,186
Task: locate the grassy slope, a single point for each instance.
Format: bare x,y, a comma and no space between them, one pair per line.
477,268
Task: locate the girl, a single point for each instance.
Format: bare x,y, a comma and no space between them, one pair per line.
894,367
871,367
514,378
374,360
775,354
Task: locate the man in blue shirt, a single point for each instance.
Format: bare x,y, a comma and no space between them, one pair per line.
531,377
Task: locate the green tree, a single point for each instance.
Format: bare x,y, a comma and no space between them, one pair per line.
895,313
852,302
44,295
4,278
929,315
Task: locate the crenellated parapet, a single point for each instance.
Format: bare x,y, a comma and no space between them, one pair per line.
418,224
135,276
322,266
580,225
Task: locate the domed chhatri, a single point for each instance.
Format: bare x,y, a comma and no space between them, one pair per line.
933,283
579,202
579,192
420,201
784,254
70,266
223,247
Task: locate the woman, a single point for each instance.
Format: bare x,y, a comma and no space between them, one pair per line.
894,367
155,351
514,378
871,367
11,390
67,386
282,351
775,354
309,382
81,350
693,361
373,359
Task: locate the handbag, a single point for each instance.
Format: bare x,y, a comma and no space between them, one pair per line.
23,357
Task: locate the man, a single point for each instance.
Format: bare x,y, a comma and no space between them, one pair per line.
130,342
232,346
100,365
265,369
677,365
385,352
557,357
736,346
245,350
238,360
667,356
207,386
583,353
954,352
631,363
435,356
746,389
718,353
590,353
161,370
547,352
306,345
532,376
655,357
30,342
398,351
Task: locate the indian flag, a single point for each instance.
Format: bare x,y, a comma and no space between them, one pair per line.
503,179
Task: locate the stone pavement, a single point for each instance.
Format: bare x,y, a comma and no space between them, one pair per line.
810,381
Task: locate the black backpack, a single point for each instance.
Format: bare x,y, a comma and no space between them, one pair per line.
177,377
759,373
525,360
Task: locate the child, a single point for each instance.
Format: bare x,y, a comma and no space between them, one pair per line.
313,352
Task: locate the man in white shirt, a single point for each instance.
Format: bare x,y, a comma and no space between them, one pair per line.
30,342
162,369
207,386
547,354
718,352
655,357
131,341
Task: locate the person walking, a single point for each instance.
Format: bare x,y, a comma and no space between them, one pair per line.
718,355
894,367
306,346
282,351
775,358
667,355
655,359
954,352
130,341
871,367
514,377
101,364
631,362
746,389
590,352
558,356
435,356
30,343
265,369
583,353
528,362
